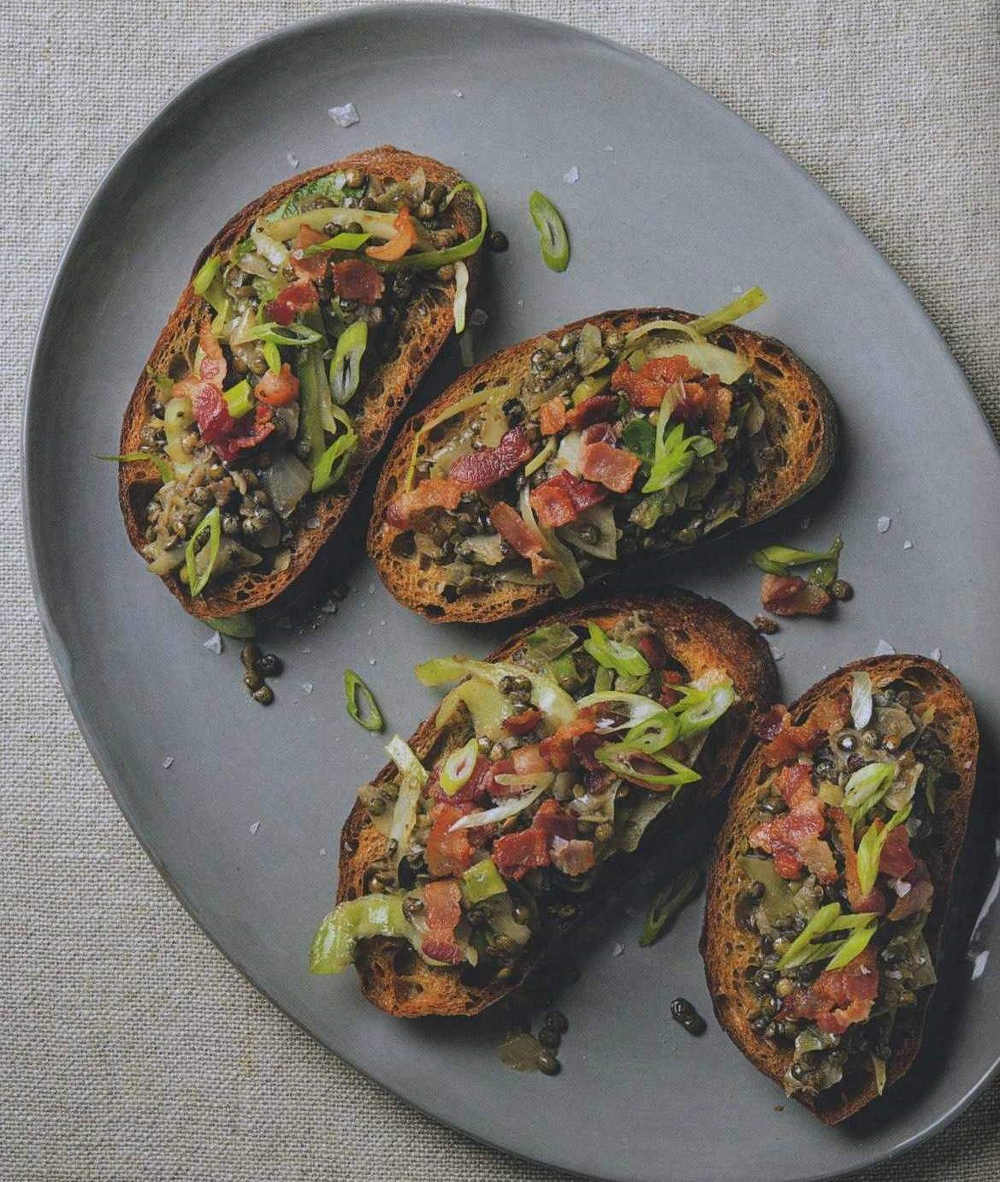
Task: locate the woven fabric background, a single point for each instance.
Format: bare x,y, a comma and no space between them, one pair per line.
128,1047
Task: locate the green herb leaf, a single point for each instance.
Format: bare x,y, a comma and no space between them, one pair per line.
212,523
144,457
639,437
668,903
612,654
361,704
551,231
673,452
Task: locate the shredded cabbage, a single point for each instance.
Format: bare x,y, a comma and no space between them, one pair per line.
509,808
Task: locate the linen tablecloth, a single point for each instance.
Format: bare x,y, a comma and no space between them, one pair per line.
129,1048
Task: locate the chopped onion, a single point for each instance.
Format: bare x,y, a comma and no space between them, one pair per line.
461,294
602,517
287,481
413,777
269,247
509,808
861,699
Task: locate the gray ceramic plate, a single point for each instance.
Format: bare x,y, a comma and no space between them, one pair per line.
677,202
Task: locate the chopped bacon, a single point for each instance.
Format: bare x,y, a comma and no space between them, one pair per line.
522,761
788,741
720,406
516,532
448,853
572,857
599,433
484,468
523,722
771,723
429,494
918,897
308,266
442,911
395,248
831,714
668,679
552,417
874,901
357,279
789,595
651,647
837,999
783,837
557,749
562,498
213,365
897,858
229,436
278,389
291,299
646,386
794,782
585,751
211,413
594,410
517,853
475,788
818,857
554,821
529,761
613,467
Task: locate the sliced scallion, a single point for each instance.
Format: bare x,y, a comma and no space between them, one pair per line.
551,231
361,704
332,464
345,368
612,654
239,399
206,273
212,524
145,457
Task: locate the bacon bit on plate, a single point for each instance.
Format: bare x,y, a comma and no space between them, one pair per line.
442,910
522,723
486,467
572,857
557,749
610,466
278,389
291,299
874,901
646,386
554,821
562,498
517,853
395,248
429,494
837,999
790,595
448,853
357,279
308,266
475,788
594,410
552,417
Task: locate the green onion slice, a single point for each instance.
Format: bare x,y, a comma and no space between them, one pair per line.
778,560
332,464
619,758
212,523
239,399
854,945
294,335
144,457
866,787
743,304
459,766
361,704
668,903
871,845
345,368
551,231
345,241
272,356
612,654
206,273
482,881
430,259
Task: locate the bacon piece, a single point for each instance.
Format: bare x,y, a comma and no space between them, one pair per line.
291,299
837,999
783,838
211,413
213,365
308,266
552,417
918,897
429,494
720,406
475,788
585,751
554,821
557,749
522,761
357,279
795,783
874,901
771,723
484,468
572,857
442,911
789,595
593,410
668,679
448,853
517,853
228,436
788,741
278,389
516,532
651,647
529,761
897,858
613,467
818,857
646,386
562,498
523,722
395,248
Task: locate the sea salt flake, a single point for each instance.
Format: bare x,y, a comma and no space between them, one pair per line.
344,116
214,643
322,852
979,964
372,661
883,524
618,950
901,886
478,317
777,653
307,687
935,654
313,522
458,94
293,161
609,147
884,649
907,545
253,827
572,176
168,762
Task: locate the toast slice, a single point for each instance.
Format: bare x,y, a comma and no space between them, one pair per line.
386,386
696,637
792,451
733,949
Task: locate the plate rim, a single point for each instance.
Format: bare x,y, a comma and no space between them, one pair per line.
100,750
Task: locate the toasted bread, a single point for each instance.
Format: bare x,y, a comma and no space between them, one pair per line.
728,948
375,408
800,423
698,633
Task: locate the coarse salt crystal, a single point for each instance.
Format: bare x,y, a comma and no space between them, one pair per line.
214,643
372,661
313,522
882,525
322,852
293,161
901,886
618,950
979,964
254,826
458,94
935,654
572,176
907,545
168,762
307,687
344,116
777,653
884,649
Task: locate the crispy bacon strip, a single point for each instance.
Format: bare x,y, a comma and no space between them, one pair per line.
357,279
523,722
557,749
788,741
429,494
595,409
790,595
646,386
278,389
517,853
442,910
573,857
308,266
838,999
448,853
563,497
292,299
395,248
484,468
613,467
552,417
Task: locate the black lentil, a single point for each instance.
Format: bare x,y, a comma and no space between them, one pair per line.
682,1011
497,241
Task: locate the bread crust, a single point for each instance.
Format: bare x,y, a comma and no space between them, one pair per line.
801,419
727,948
701,634
379,402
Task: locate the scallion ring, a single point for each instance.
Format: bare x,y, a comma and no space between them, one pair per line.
459,766
212,523
345,368
145,457
361,704
205,274
551,231
332,464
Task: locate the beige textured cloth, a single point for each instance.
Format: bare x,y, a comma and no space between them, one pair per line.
129,1048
